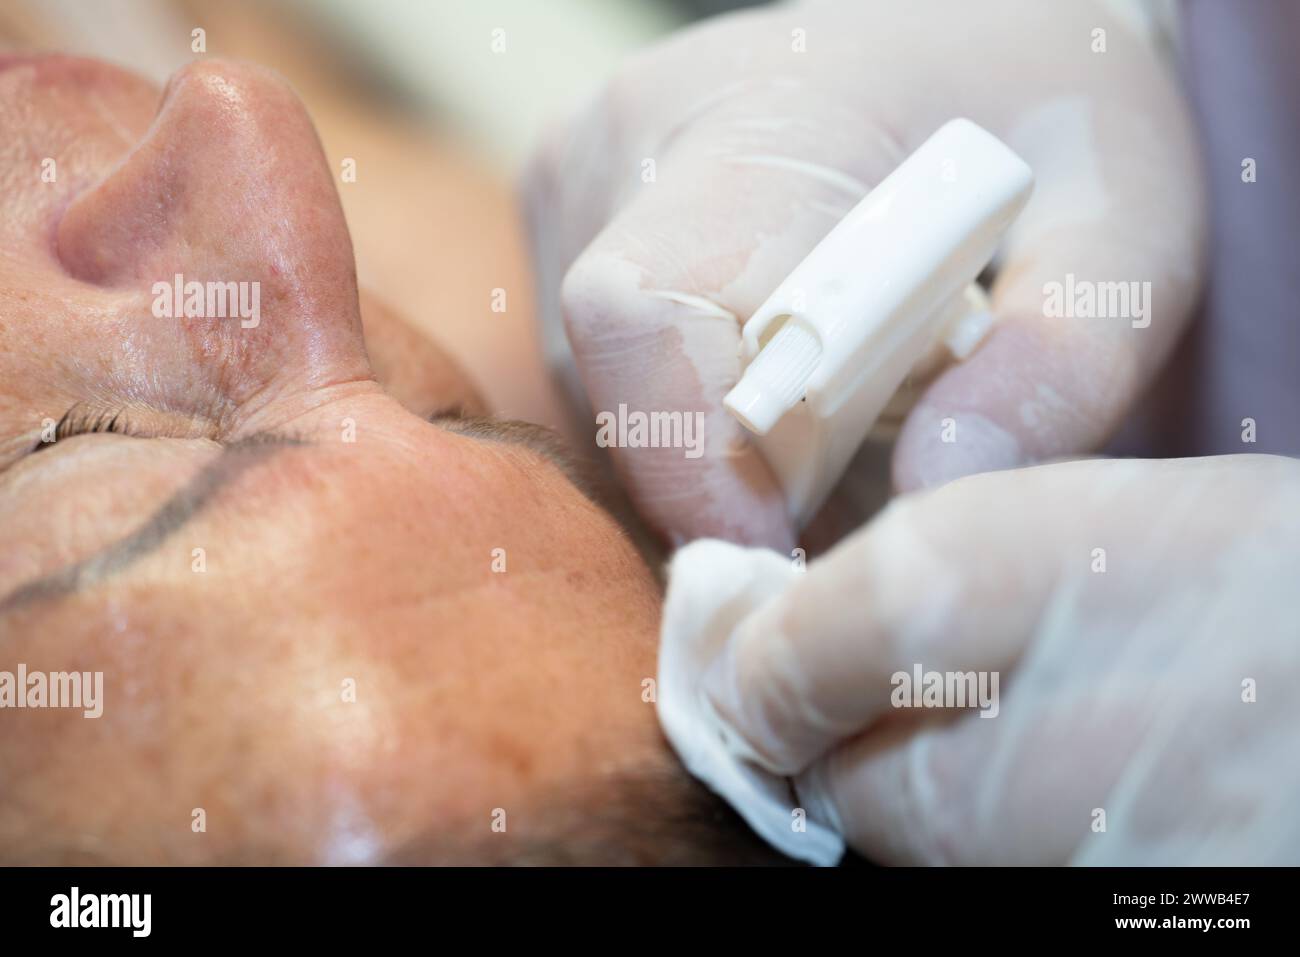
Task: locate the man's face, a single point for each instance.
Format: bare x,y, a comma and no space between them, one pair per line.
329,623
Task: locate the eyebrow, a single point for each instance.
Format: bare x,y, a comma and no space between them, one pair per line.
237,457
182,506
544,441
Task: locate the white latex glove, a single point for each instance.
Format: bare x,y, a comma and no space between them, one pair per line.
759,146
1120,690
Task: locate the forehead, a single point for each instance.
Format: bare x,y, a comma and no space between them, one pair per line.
348,660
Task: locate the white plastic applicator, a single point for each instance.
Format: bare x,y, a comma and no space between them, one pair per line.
832,344
823,356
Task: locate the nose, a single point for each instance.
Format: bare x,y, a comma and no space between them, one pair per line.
228,192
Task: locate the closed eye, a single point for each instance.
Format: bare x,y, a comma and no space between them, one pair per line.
135,421
80,420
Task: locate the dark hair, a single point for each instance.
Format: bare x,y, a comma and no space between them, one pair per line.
662,818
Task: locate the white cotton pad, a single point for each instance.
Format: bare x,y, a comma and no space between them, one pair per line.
712,586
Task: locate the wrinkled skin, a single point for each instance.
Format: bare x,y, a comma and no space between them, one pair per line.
760,147
326,565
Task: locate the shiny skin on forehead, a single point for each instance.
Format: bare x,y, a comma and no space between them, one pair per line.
325,566
323,560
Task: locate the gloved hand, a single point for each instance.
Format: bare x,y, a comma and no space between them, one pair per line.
712,164
1155,681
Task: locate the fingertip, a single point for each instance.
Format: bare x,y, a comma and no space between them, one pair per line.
1024,397
599,293
937,446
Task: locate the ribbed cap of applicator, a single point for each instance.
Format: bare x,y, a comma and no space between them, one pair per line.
775,381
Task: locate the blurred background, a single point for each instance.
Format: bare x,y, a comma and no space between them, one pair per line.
438,124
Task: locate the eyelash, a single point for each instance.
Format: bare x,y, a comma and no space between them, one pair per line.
77,421
104,422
